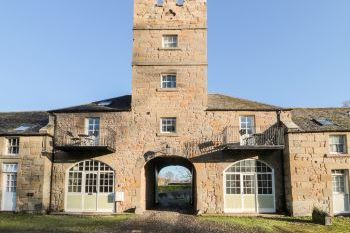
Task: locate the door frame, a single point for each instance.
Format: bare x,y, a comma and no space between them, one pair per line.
82,193
242,210
347,189
4,182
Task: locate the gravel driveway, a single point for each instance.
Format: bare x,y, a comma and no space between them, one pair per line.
170,222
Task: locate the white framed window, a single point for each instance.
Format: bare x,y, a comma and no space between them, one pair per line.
170,41
247,125
10,167
168,81
337,144
91,177
339,184
168,125
93,130
13,146
10,171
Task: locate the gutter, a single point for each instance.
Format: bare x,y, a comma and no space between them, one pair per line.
246,110
322,131
26,135
52,162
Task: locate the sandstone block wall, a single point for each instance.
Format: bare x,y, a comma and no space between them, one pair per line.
34,169
210,177
309,166
192,14
137,136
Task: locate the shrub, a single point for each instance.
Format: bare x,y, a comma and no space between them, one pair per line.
321,217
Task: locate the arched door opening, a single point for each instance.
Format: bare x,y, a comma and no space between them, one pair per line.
249,186
90,187
174,187
170,184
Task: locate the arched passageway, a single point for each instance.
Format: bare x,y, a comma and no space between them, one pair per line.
167,193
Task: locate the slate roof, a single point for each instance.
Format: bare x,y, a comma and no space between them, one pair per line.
31,122
118,104
307,119
218,102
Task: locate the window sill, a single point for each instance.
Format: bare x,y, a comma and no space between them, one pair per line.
171,135
337,155
10,156
169,49
167,90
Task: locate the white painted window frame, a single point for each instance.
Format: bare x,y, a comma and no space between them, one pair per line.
331,144
10,146
226,210
168,75
83,183
174,119
166,44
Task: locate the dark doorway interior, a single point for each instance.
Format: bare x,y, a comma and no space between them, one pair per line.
170,184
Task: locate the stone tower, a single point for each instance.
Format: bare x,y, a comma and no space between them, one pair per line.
170,63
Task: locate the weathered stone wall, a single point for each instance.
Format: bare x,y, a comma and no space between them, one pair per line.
135,139
309,166
210,170
33,177
192,14
138,131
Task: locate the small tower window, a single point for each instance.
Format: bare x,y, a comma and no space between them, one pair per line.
168,125
170,41
180,2
169,81
159,2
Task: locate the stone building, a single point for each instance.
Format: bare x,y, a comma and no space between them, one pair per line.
25,161
244,156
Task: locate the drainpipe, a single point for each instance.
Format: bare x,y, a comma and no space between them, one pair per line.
52,161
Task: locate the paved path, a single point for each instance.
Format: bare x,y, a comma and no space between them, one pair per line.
170,222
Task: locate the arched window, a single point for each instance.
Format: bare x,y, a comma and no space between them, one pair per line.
91,177
249,186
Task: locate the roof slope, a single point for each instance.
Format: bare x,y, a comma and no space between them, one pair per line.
307,119
30,122
217,102
118,104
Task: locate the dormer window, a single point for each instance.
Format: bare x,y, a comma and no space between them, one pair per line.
170,41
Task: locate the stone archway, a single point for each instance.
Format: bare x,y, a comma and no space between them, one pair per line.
151,170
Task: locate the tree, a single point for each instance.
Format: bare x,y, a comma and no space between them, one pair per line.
169,176
346,104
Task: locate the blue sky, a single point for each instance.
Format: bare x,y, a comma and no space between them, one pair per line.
60,53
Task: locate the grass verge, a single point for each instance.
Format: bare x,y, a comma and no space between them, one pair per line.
280,224
58,224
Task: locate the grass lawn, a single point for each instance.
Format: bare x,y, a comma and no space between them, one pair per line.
172,188
60,224
281,224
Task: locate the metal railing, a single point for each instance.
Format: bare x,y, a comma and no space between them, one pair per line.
78,137
267,136
257,136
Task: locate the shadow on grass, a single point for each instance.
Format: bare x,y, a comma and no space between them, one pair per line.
288,219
